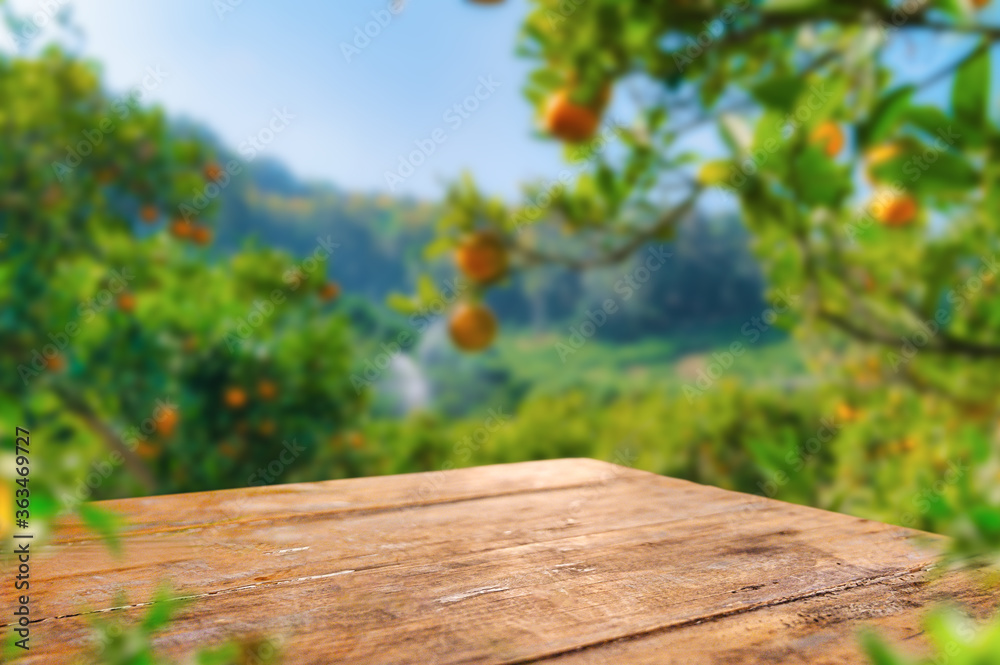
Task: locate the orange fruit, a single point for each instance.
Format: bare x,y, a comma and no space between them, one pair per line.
482,257
166,423
878,155
570,121
201,235
830,137
181,228
149,214
126,302
846,412
51,196
472,327
56,363
212,171
267,389
898,210
235,398
145,450
329,291
356,440
266,428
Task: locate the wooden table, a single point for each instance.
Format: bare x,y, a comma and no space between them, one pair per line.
564,562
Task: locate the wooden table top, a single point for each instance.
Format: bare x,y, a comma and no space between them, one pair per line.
564,562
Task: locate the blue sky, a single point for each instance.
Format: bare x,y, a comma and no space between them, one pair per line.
353,119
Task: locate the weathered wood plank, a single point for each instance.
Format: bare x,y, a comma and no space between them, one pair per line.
568,559
819,630
178,511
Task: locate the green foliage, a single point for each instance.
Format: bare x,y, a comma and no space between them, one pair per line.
123,342
121,643
954,638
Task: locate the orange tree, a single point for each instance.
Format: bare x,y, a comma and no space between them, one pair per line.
872,197
137,361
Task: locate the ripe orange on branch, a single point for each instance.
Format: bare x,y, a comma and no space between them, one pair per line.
482,257
329,291
181,229
126,302
897,210
166,422
572,121
201,235
472,327
235,398
149,214
56,363
212,172
830,137
267,389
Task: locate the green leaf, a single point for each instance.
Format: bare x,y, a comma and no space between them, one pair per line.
928,119
161,609
427,291
401,303
780,92
104,522
820,180
885,116
878,651
970,95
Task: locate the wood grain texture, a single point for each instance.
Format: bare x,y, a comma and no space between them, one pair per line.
567,561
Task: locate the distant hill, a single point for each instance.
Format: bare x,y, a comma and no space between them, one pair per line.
710,279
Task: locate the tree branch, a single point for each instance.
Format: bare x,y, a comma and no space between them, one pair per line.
79,407
670,218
